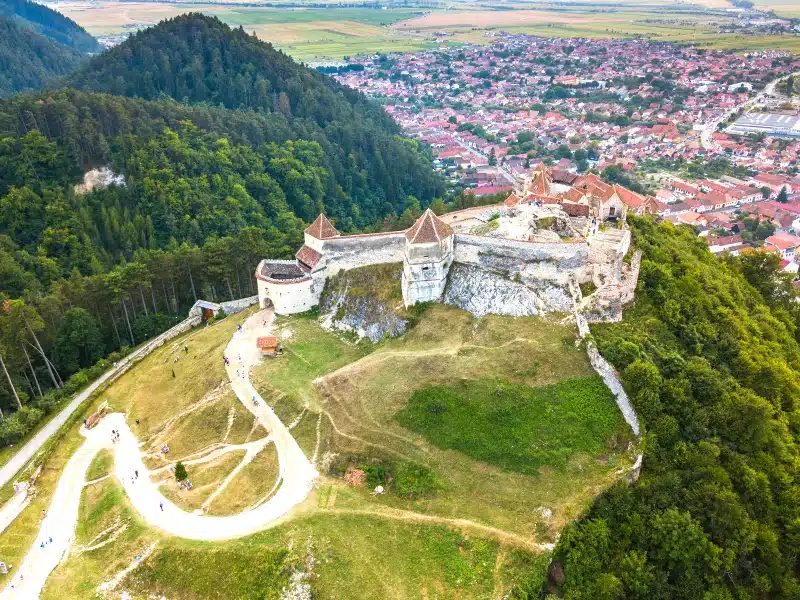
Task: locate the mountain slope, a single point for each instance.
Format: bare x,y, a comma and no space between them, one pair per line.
198,59
709,355
51,24
38,45
29,60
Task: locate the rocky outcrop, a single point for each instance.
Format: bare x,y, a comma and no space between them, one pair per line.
483,292
367,301
98,179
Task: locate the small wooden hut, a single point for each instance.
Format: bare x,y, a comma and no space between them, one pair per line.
268,344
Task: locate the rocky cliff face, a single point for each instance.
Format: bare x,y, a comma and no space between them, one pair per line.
367,301
483,292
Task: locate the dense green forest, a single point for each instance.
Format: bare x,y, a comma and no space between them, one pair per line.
208,187
29,60
51,24
711,359
38,46
198,59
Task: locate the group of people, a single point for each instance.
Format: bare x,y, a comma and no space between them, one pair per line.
114,436
240,371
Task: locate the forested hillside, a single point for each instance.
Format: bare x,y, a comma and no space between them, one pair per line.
198,59
29,60
50,23
710,357
38,46
212,184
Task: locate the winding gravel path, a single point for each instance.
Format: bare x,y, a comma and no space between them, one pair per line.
295,471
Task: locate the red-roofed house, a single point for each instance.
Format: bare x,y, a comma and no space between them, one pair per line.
785,243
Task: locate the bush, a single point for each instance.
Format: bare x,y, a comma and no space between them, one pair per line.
376,475
30,416
413,480
180,471
77,382
12,429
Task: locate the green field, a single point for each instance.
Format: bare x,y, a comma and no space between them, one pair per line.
320,35
266,16
517,427
365,386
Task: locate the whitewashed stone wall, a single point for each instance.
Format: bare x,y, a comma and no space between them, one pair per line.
234,306
360,251
193,320
558,260
606,304
138,354
290,296
483,292
609,375
603,368
425,271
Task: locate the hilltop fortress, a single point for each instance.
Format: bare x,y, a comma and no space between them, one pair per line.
556,234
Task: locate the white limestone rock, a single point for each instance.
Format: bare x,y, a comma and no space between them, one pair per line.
97,179
483,292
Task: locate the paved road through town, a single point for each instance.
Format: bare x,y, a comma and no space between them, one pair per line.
705,136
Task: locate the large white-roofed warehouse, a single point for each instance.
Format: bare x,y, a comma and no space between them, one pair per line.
770,124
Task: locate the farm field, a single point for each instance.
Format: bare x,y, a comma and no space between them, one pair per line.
482,26
321,35
306,34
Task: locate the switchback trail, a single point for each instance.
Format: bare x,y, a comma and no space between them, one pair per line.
296,474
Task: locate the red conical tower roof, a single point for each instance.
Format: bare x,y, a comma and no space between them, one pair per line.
428,229
322,229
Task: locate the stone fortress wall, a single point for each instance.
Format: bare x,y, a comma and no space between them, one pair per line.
550,260
353,251
480,273
292,294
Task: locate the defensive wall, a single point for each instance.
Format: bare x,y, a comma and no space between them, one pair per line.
287,286
542,260
353,251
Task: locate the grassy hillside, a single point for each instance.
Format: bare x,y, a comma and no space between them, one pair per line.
346,395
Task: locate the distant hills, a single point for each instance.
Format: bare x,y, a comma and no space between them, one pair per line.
38,45
215,134
196,59
51,24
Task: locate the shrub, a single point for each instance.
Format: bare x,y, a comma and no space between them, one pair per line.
30,416
588,288
77,382
376,475
12,429
180,471
413,480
